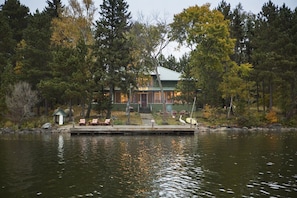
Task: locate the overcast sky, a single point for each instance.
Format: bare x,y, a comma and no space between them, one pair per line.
167,8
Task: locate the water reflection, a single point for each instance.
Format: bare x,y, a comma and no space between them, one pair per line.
61,149
61,156
204,165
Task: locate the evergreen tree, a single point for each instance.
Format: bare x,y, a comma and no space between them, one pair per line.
54,8
17,17
240,29
170,62
286,91
35,54
266,58
34,51
7,42
187,85
71,67
112,47
13,20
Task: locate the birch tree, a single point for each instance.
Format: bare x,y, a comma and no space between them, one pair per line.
149,41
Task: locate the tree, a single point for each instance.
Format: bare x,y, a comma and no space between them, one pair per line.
149,40
20,102
285,95
17,17
33,54
13,20
273,61
187,85
235,84
7,43
71,44
237,18
54,8
170,62
73,23
6,51
207,32
112,48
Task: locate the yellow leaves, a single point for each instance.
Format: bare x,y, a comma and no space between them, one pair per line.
18,67
233,80
65,32
271,117
74,24
19,62
22,44
245,69
204,29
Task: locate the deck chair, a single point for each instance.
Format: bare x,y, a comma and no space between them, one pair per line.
82,122
106,122
94,122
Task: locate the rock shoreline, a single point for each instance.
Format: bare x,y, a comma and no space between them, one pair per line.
246,129
36,130
66,129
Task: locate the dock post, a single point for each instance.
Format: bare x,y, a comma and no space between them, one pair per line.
153,122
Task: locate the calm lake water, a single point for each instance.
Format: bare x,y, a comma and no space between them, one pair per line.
204,165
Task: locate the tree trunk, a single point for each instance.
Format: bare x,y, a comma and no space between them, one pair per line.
111,92
70,110
162,95
257,98
263,95
89,106
83,108
230,107
270,94
46,107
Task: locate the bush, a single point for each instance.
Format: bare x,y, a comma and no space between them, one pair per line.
207,112
271,117
250,120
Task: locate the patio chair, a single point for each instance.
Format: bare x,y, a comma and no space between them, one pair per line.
106,122
94,122
82,122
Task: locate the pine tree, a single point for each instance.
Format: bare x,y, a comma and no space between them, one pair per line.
17,17
34,56
266,35
111,46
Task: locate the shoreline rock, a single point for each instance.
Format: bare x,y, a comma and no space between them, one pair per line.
202,129
246,129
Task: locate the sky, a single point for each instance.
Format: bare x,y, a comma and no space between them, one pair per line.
165,9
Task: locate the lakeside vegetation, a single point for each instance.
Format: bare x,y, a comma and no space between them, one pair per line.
242,67
209,117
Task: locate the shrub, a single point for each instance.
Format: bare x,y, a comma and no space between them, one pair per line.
207,111
271,117
250,120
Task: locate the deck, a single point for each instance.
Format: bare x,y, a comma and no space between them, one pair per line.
133,130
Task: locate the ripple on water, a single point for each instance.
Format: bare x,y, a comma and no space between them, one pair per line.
176,179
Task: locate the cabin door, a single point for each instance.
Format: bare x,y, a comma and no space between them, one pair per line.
143,100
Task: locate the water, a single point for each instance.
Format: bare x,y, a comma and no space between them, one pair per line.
204,165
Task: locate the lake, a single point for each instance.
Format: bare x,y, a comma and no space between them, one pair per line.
226,164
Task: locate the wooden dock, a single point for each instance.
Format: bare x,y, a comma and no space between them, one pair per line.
133,130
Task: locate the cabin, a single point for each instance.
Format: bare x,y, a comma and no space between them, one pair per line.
147,98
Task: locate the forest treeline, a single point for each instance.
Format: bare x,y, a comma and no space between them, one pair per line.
71,54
